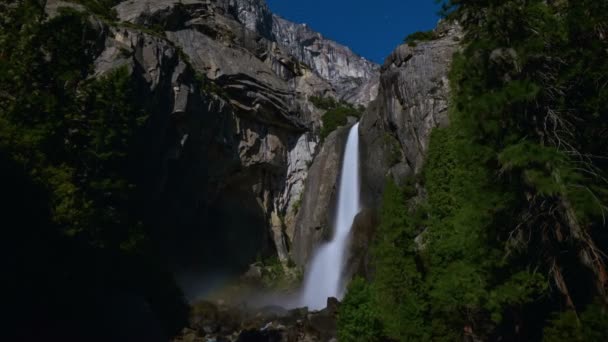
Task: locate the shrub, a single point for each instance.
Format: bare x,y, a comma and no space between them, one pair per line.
323,102
420,36
336,113
356,317
590,326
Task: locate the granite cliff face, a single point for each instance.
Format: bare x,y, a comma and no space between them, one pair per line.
254,14
228,84
242,130
395,130
354,78
412,100
315,216
232,133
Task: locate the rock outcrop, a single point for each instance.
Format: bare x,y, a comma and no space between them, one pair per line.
220,322
353,77
362,232
254,14
412,100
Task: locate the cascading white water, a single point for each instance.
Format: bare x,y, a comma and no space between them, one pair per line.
323,278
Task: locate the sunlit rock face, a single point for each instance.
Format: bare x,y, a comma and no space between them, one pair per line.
254,14
412,100
353,77
245,134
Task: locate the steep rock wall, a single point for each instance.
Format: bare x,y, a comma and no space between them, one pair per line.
395,130
242,157
354,78
315,216
232,134
412,100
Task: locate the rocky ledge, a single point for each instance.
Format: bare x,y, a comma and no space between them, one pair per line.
216,321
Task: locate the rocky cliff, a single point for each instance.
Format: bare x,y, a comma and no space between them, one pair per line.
233,136
354,78
412,100
395,130
232,132
315,215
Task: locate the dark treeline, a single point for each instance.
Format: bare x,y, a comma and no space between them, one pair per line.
509,243
82,263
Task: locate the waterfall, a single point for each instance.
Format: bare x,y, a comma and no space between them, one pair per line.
324,276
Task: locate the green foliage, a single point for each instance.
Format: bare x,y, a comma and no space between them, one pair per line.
336,113
394,155
398,288
298,203
420,36
522,288
153,30
278,276
324,102
515,186
101,8
335,118
73,143
356,319
106,139
589,326
272,272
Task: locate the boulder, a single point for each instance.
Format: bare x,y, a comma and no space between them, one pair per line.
360,240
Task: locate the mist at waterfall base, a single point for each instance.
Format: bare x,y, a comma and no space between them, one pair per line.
324,277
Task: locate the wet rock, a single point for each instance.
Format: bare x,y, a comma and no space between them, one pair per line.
313,222
332,305
324,322
361,237
274,311
271,323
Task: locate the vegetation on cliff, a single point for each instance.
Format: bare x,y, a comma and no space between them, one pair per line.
420,36
510,240
337,113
